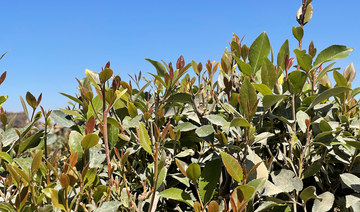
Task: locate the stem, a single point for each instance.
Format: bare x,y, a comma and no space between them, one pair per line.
197,192
46,153
293,112
32,115
92,105
79,198
45,140
105,136
131,202
352,161
155,175
66,201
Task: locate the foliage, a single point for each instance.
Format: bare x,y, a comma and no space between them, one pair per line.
243,134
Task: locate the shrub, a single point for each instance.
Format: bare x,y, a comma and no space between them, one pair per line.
245,133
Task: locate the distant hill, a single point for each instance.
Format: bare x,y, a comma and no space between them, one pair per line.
20,119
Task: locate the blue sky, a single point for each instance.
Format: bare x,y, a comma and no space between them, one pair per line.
52,42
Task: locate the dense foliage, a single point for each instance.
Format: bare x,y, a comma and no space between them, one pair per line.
243,134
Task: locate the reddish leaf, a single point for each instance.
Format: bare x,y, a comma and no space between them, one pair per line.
70,163
2,78
39,100
107,64
213,206
30,99
180,63
182,166
90,125
165,131
64,181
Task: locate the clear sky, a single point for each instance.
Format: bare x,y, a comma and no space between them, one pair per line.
52,42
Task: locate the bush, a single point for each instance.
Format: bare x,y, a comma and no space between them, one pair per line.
260,137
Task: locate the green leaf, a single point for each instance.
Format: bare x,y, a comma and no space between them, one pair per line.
72,98
353,201
6,207
161,177
355,92
243,67
61,119
9,137
194,66
259,49
97,157
193,172
248,98
303,59
185,153
308,14
301,116
159,67
268,75
232,166
141,90
75,139
228,107
239,122
109,206
105,74
268,205
258,184
324,126
184,127
36,162
327,94
113,132
97,102
30,99
31,141
351,181
323,72
298,32
308,193
284,50
209,178
54,196
3,99
245,192
5,156
312,169
24,107
297,80
71,113
262,88
183,180
132,109
339,79
270,100
99,192
144,138
177,194
180,97
286,180
334,52
204,131
216,119
93,77
89,141
325,204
